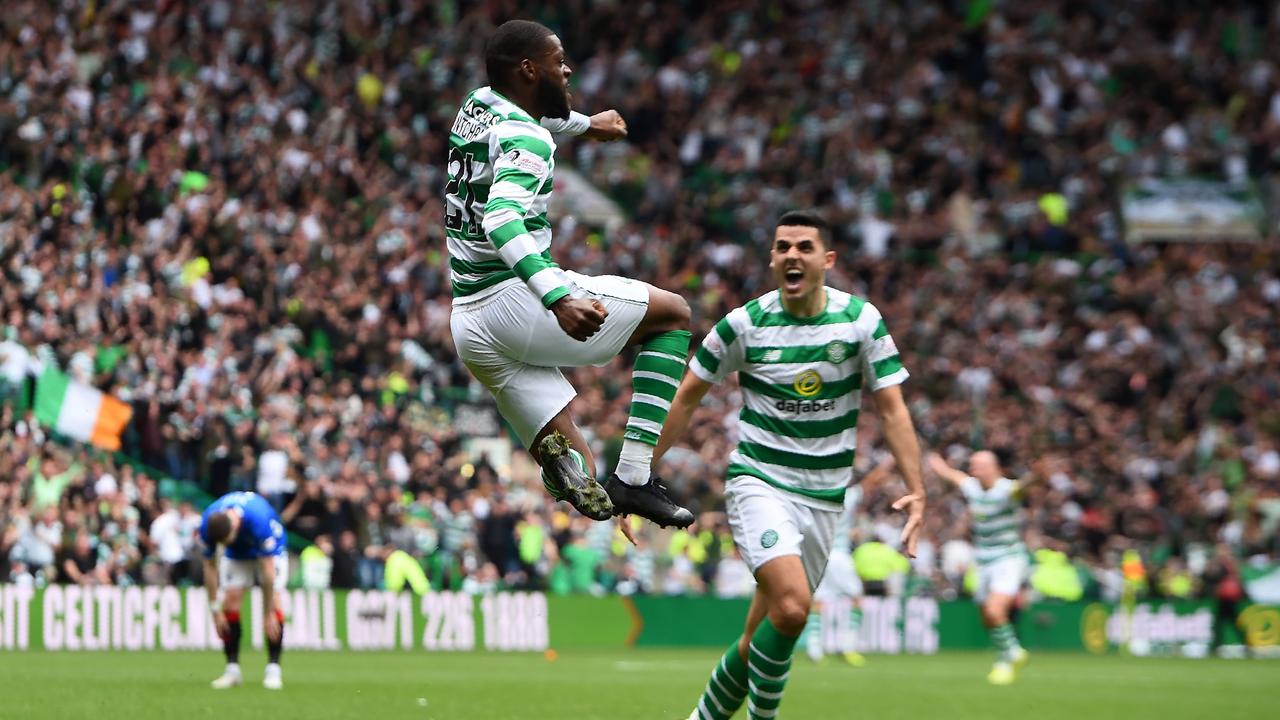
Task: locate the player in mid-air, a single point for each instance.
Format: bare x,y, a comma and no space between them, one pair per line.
243,540
803,354
1002,557
517,316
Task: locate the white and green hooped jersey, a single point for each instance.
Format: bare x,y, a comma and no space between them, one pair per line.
802,381
997,531
501,166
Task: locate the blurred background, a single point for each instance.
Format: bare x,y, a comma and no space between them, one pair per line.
222,223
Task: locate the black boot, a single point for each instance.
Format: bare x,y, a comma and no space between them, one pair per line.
650,501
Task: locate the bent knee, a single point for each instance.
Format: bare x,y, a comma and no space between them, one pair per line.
671,311
791,613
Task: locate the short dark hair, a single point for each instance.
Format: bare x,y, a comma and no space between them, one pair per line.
513,41
219,528
806,218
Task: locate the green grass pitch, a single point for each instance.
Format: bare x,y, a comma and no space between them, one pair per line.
648,684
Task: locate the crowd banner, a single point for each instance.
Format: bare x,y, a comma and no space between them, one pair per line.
74,618
1195,210
79,618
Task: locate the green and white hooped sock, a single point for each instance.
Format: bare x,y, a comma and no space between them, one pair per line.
1005,641
768,666
727,688
654,381
855,625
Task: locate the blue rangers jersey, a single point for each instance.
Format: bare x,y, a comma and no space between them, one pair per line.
261,534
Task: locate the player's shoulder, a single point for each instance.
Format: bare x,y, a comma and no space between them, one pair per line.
503,118
850,308
762,311
734,323
258,505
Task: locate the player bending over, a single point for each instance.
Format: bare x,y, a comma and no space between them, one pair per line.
1001,555
517,317
248,531
803,354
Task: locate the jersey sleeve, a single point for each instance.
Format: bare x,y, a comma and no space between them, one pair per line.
522,163
1012,489
881,365
575,124
721,351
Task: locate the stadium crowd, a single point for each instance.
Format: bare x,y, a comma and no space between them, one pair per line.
229,215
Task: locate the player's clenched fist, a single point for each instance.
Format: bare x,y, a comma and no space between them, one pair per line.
606,126
578,317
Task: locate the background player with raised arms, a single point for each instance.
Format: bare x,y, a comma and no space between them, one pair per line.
1001,555
517,316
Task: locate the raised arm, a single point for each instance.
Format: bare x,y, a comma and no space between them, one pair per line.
603,126
945,471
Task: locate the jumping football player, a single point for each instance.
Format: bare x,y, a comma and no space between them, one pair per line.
517,317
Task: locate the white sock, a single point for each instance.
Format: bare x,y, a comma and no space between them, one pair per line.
634,462
273,668
233,669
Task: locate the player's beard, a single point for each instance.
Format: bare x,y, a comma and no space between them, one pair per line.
553,98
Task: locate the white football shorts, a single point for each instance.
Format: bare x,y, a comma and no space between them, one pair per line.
514,346
767,523
240,574
1003,577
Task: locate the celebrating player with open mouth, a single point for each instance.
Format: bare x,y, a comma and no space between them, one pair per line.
517,317
803,354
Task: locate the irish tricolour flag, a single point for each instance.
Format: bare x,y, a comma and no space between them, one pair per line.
80,411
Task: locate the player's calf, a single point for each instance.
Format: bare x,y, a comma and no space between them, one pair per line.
231,676
273,677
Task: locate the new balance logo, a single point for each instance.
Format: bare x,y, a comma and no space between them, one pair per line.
771,355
